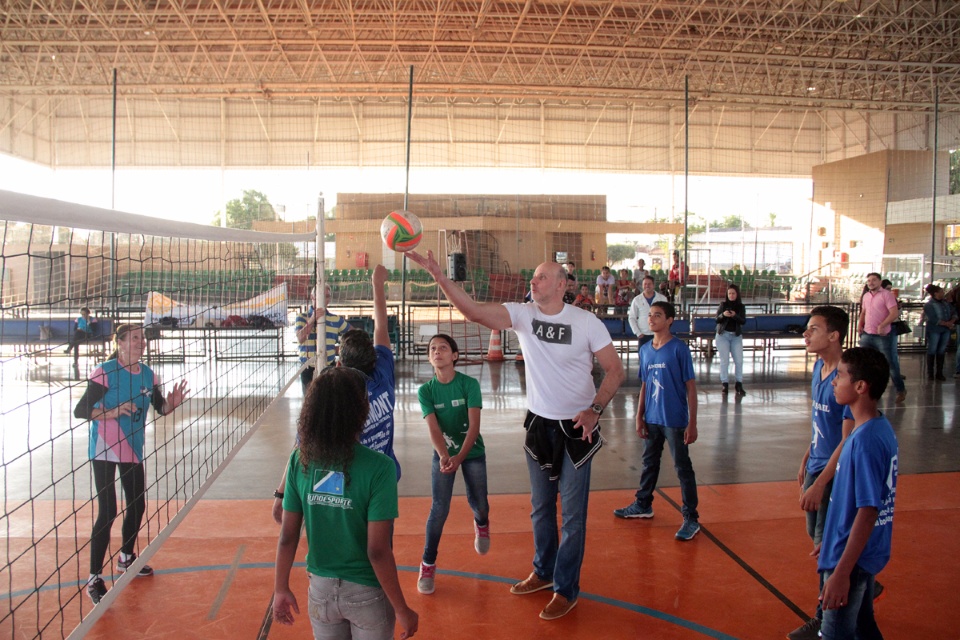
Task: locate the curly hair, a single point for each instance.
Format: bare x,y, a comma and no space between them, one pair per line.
332,418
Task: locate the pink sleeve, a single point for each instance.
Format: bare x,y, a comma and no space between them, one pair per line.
100,377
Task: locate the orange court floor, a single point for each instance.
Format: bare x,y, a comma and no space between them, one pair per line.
748,574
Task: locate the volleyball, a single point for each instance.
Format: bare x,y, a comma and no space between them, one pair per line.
401,231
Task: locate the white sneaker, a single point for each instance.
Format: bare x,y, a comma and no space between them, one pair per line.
481,538
425,583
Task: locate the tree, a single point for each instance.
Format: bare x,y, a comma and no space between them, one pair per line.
620,252
243,212
954,172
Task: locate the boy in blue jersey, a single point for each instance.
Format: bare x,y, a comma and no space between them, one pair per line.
374,359
666,411
859,526
824,337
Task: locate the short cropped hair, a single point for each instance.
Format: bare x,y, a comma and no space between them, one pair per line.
868,365
668,309
357,351
836,318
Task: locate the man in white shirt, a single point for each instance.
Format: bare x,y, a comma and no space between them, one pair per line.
559,345
640,307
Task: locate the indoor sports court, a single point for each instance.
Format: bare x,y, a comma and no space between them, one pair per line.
209,170
748,575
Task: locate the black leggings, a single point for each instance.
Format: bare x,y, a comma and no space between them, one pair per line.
134,492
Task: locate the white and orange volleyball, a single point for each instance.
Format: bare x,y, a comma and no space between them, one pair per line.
401,231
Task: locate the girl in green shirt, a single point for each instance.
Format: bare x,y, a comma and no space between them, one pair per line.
451,404
346,495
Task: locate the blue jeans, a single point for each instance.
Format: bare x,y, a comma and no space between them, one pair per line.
957,363
475,478
727,344
555,557
816,519
884,345
855,620
341,610
937,339
652,453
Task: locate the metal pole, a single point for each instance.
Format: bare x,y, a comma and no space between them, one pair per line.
406,200
686,182
933,212
113,197
321,288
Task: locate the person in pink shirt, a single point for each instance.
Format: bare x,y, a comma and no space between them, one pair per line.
878,311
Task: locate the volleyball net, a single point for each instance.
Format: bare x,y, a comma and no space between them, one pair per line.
214,303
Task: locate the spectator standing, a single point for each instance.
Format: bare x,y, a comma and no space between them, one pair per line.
640,309
878,311
731,316
940,318
306,328
639,273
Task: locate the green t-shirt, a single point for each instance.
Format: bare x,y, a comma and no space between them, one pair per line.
336,514
450,403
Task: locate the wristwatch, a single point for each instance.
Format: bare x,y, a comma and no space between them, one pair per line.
278,494
597,409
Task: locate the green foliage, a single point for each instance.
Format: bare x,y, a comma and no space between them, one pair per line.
243,212
954,172
620,252
954,248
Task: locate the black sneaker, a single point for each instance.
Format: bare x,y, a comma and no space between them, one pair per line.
877,591
809,631
145,570
96,589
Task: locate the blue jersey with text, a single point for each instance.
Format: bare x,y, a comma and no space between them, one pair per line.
378,431
665,372
866,477
827,419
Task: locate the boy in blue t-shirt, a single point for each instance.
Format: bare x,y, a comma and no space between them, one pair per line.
666,411
859,526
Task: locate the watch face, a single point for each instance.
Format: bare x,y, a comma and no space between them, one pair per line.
597,409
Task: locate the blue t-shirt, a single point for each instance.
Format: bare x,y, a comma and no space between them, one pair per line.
866,477
665,372
827,422
378,431
121,439
83,324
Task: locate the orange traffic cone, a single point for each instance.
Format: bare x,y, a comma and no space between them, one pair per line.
495,349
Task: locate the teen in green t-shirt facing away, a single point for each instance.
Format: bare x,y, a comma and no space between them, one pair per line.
451,404
346,495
